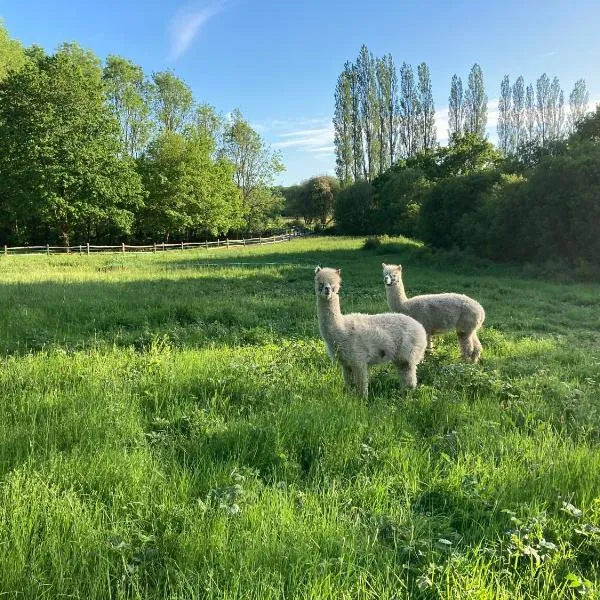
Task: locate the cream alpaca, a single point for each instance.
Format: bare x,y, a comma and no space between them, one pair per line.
358,340
437,312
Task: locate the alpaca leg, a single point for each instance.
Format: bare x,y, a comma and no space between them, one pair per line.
361,378
348,378
466,346
476,345
408,374
429,343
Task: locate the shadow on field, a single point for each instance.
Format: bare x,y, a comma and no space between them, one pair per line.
237,298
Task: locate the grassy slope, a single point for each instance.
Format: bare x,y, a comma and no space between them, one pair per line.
170,429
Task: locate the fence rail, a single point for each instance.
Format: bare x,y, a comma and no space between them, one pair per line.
160,247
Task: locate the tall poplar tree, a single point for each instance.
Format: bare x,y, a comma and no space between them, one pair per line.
409,111
578,103
475,103
504,125
342,126
427,131
455,107
518,116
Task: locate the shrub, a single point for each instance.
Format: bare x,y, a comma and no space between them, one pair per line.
354,209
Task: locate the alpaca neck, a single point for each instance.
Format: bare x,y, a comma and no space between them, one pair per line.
396,296
330,315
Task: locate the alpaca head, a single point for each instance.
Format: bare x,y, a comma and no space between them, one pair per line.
327,282
392,274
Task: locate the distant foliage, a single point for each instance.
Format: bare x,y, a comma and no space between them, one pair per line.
354,209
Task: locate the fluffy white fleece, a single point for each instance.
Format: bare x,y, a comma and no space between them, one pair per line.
437,312
358,340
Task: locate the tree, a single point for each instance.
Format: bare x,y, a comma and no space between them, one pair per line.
12,56
409,111
518,114
578,103
318,196
543,108
255,168
342,125
129,95
60,148
505,116
354,209
207,122
388,85
530,114
172,101
188,191
455,107
356,125
475,103
556,110
369,110
427,131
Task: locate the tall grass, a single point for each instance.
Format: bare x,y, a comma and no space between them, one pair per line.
171,427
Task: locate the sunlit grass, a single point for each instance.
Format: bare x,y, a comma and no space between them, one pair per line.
171,427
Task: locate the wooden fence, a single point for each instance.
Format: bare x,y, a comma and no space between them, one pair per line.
160,247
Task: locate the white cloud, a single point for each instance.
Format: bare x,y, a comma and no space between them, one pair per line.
314,140
186,24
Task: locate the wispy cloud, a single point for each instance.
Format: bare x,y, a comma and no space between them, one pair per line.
187,23
313,135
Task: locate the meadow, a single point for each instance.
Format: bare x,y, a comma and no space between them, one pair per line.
171,427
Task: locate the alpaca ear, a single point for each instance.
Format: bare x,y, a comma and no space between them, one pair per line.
317,269
338,271
383,265
399,267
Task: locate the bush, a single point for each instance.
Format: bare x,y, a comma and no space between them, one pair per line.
447,208
399,194
354,209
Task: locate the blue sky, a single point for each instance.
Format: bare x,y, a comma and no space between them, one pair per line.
278,61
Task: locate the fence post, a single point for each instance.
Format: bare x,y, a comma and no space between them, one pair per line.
5,250
227,239
88,247
182,245
79,248
244,241
206,242
259,240
163,246
122,246
154,250
47,249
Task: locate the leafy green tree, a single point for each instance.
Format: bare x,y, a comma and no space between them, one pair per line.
399,193
129,95
409,112
354,209
173,101
255,168
556,115
427,131
530,114
369,111
578,103
517,117
456,107
342,125
505,115
188,192
475,103
60,148
12,56
320,193
543,108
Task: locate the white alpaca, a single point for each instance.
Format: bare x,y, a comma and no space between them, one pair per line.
358,340
437,312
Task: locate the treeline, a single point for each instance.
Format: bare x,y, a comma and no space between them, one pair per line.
533,198
94,152
533,208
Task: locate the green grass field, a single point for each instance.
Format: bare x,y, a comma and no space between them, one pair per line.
171,427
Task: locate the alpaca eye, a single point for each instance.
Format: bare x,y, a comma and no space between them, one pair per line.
321,286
